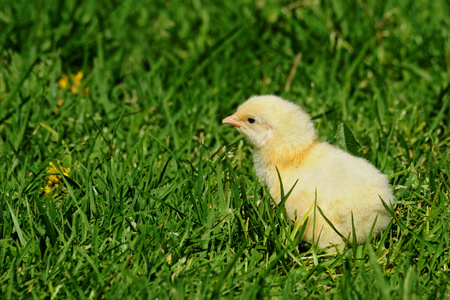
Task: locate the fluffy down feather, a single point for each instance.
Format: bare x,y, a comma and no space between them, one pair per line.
283,137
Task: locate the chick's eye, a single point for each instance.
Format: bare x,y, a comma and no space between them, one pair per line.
251,120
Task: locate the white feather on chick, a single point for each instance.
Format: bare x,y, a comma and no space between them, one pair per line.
284,137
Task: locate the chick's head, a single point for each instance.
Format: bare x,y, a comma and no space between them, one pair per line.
270,121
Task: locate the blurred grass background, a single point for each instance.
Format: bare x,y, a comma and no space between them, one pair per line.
161,200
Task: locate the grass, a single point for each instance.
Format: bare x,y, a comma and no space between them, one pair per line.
161,200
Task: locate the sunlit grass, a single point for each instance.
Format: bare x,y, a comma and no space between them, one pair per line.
161,200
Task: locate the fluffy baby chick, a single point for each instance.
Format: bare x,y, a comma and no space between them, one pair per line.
283,137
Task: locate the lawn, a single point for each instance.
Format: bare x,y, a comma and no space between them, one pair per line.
118,180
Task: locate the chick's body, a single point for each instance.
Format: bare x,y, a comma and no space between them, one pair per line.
342,185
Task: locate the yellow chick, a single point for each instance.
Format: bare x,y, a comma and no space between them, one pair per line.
284,137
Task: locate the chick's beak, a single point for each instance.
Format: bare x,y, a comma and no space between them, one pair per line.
232,120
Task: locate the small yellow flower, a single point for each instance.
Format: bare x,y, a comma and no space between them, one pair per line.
54,179
77,77
58,105
64,83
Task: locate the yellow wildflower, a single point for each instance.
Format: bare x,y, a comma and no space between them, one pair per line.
63,83
54,179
